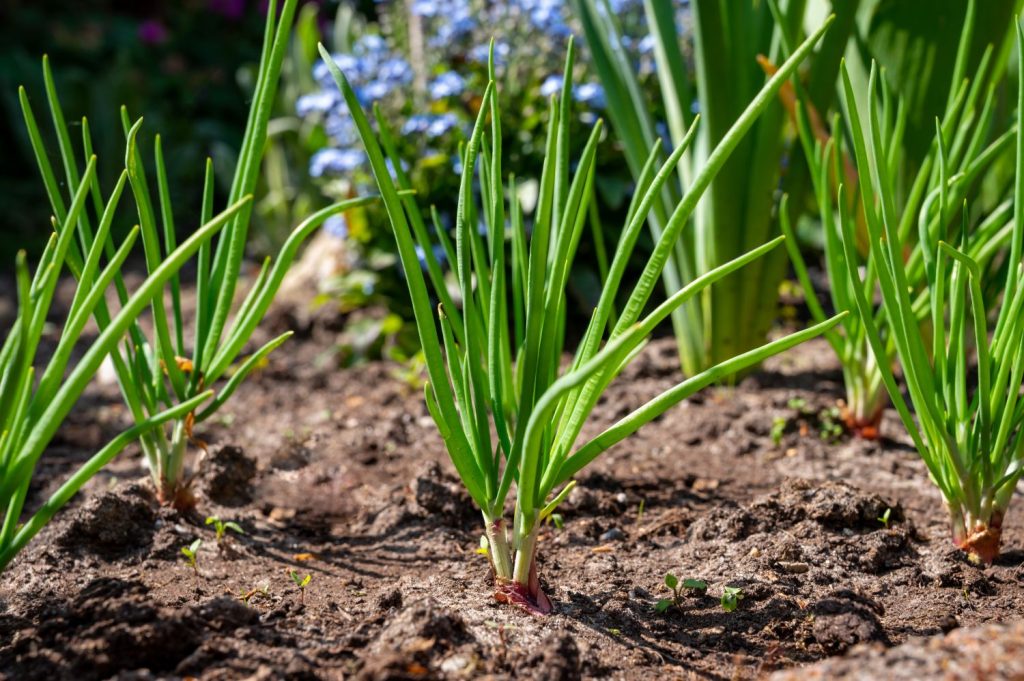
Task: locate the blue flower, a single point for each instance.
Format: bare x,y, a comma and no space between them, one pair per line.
481,53
395,70
316,102
550,86
417,123
336,226
448,84
431,125
371,42
372,91
442,124
590,94
335,161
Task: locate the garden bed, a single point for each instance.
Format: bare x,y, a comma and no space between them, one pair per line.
341,475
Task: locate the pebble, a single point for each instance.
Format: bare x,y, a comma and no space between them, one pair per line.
614,534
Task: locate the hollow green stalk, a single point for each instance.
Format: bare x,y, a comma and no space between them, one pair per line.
927,205
31,408
737,211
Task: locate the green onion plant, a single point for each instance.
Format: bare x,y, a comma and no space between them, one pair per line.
508,408
37,391
969,418
738,212
158,370
957,162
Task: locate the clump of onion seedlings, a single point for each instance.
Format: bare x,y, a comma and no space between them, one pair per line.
971,437
507,410
159,368
958,159
37,393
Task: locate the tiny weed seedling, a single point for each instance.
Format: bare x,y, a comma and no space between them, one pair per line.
827,422
301,582
731,597
222,527
884,518
779,424
191,553
261,590
678,588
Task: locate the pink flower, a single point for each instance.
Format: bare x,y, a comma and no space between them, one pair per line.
232,9
152,32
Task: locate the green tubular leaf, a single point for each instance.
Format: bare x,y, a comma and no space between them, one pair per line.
419,230
89,267
651,410
559,498
246,323
19,359
42,160
87,471
800,267
590,393
151,248
72,331
202,293
530,492
170,239
75,383
717,158
443,428
231,247
241,374
458,444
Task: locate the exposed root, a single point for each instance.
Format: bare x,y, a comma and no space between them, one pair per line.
866,428
982,542
178,497
519,595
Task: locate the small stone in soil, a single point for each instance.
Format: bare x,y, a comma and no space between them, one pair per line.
614,534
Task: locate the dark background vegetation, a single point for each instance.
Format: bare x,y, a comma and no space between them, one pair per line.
187,66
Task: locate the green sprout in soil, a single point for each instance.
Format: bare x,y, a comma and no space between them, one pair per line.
885,517
678,588
495,369
191,553
301,582
731,597
222,527
159,365
262,590
826,421
971,437
779,425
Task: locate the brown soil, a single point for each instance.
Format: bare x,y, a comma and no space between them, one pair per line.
341,475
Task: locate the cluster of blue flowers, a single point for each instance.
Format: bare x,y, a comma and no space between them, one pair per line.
374,71
454,31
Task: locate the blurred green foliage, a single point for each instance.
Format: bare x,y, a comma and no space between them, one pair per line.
182,64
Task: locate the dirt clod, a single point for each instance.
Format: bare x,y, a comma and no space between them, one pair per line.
113,524
226,476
